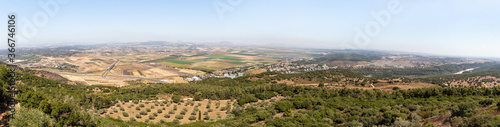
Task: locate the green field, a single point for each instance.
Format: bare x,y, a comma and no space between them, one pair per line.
96,59
245,54
237,63
174,64
92,63
196,55
178,61
161,59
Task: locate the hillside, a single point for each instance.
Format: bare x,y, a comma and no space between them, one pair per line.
254,102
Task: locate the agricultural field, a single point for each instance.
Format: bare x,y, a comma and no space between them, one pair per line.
186,111
216,62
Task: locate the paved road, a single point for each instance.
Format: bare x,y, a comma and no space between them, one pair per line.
110,67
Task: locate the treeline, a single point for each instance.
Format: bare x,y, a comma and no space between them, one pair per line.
350,57
446,79
435,70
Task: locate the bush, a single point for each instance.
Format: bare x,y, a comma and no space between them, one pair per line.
32,117
125,114
282,106
206,117
193,113
115,110
481,121
132,119
141,105
205,113
159,111
163,121
183,112
176,121
395,88
198,96
179,116
176,98
143,112
138,116
175,107
166,115
151,117
210,110
464,110
122,109
146,120
192,117
321,85
486,102
148,109
152,107
137,108
413,107
155,114
247,98
171,112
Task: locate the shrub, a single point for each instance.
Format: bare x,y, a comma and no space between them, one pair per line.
193,113
137,108
163,121
155,114
132,119
210,110
183,112
176,121
179,116
146,120
206,117
141,105
464,110
413,107
122,109
137,115
395,88
159,111
171,112
486,102
192,117
217,105
166,115
151,117
148,109
125,114
163,108
282,106
208,105
143,112
175,107
205,113
176,98
152,107
33,117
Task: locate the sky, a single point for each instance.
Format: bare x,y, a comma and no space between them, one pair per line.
446,27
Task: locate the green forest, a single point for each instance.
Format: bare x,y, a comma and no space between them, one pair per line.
46,102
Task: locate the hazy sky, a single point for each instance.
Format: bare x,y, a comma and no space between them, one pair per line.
447,27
